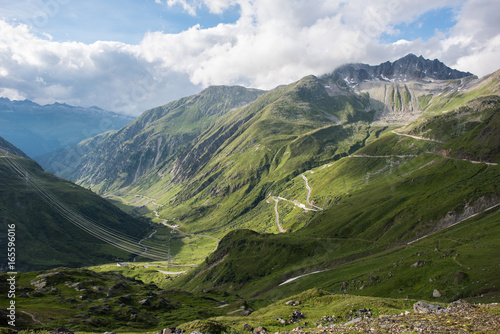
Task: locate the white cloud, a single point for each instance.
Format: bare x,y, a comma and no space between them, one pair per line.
273,42
188,7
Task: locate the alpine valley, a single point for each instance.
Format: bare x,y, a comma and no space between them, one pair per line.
356,193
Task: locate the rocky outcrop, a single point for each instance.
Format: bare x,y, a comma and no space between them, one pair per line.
408,68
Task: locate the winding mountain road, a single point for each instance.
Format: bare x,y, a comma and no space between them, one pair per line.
458,222
145,248
281,229
175,228
309,190
417,137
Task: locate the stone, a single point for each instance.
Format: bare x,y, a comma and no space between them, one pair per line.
145,302
353,321
61,331
247,328
289,303
260,330
422,307
125,299
42,280
169,330
417,264
296,315
436,294
77,286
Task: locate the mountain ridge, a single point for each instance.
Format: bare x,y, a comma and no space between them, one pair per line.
39,129
408,68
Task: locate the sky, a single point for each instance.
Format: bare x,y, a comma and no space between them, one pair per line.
131,55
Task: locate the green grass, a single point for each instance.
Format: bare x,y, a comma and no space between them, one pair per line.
372,205
315,304
106,301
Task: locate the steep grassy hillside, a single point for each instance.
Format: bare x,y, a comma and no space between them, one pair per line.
375,203
49,214
211,163
151,142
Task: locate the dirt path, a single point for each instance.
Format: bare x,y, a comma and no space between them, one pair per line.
33,317
309,190
145,248
175,228
297,277
152,200
417,137
281,229
471,161
172,272
383,156
458,222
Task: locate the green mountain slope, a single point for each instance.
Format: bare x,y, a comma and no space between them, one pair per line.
213,172
376,203
208,165
58,223
149,143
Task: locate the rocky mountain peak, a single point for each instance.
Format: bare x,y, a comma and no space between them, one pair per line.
408,68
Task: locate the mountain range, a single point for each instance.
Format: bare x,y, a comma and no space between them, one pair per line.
39,129
378,181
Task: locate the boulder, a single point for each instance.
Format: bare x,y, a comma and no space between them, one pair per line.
170,330
145,302
353,321
125,299
296,315
260,330
436,294
417,264
247,328
422,307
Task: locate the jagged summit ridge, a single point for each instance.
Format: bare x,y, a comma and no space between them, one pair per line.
408,68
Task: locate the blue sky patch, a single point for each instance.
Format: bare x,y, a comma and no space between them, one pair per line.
118,20
425,27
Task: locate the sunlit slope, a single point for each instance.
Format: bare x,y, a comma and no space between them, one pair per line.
394,191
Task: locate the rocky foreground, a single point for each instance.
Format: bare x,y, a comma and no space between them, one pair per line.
459,317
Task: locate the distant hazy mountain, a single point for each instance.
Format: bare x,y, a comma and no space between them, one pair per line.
38,129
